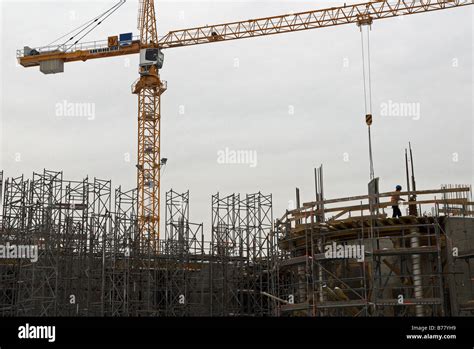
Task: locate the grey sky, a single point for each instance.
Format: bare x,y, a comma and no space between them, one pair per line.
424,59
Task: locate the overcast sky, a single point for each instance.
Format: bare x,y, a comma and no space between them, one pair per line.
295,100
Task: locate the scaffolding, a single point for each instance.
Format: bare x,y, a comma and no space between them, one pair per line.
82,254
360,262
91,262
88,263
242,248
187,260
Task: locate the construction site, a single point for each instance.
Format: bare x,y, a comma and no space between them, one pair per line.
91,261
81,248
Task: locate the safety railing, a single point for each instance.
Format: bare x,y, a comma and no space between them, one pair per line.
83,46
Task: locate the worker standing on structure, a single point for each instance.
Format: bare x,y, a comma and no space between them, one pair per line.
395,199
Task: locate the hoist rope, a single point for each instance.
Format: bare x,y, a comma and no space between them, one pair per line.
367,93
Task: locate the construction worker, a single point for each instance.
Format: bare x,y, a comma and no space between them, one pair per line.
395,199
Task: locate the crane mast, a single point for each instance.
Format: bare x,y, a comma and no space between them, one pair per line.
149,89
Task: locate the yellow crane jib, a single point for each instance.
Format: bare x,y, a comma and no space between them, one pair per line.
360,14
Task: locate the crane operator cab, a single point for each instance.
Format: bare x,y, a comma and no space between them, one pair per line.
150,57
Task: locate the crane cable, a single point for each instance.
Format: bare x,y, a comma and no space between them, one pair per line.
98,19
367,93
112,10
88,23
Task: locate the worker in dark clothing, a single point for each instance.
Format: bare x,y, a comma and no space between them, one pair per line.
395,199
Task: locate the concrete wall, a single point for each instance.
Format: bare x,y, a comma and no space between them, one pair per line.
460,277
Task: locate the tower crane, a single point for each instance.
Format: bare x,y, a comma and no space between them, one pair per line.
149,87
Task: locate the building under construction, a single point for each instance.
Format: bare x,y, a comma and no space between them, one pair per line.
82,248
91,260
